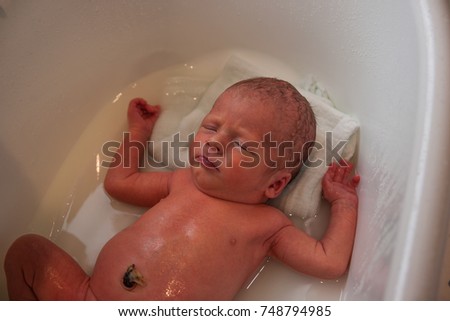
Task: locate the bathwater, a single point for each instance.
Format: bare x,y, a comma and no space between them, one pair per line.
78,215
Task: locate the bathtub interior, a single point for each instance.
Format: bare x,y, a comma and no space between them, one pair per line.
63,61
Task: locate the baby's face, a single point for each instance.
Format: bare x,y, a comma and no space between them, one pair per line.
229,155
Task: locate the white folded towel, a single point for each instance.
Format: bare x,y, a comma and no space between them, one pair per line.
302,196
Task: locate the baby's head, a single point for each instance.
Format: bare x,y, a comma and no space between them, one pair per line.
293,123
253,141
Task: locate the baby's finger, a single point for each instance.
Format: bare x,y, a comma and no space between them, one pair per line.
341,173
331,172
329,175
138,102
154,109
355,180
344,163
148,111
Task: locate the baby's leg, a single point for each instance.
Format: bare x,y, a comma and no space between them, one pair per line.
36,269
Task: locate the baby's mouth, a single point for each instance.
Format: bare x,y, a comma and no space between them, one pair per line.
208,163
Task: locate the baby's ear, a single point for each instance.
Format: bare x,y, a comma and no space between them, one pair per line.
277,183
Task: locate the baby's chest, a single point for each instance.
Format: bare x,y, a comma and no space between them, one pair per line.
199,228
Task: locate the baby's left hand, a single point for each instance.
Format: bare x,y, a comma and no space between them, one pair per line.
338,184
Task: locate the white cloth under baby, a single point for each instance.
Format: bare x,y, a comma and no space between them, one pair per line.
302,196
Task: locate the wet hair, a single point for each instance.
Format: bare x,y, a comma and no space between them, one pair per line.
295,119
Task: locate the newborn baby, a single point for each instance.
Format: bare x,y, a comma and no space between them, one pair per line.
208,227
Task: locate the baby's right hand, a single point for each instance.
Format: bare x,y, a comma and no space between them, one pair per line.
142,116
339,185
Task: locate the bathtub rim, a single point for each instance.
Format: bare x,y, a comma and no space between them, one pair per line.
422,182
418,253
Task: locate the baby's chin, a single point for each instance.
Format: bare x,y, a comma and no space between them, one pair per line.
212,190
227,195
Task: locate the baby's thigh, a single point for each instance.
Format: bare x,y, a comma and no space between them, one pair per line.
47,269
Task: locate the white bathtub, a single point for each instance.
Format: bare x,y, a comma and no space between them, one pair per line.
386,62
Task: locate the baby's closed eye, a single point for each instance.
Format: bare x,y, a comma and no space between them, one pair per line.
247,147
210,127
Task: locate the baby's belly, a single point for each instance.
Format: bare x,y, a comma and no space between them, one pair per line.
174,262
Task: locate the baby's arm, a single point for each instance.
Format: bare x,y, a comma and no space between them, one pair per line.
329,257
123,180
